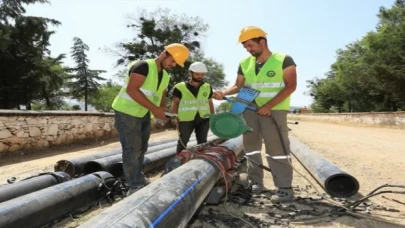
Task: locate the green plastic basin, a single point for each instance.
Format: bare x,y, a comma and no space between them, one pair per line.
228,125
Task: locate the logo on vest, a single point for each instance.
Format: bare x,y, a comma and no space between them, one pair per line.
271,73
205,94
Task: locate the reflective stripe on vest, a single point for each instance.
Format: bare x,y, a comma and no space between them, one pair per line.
124,103
269,81
189,104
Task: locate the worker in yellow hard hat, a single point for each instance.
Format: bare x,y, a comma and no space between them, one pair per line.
274,75
142,95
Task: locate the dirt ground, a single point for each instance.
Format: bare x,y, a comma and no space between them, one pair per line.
372,155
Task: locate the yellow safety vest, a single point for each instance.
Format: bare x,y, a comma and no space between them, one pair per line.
189,104
269,81
124,103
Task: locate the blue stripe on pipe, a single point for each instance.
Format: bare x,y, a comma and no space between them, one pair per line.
161,216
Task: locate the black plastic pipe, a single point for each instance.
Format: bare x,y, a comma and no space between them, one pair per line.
44,206
74,166
169,201
31,184
152,161
333,180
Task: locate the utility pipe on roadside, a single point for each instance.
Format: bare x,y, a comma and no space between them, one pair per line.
44,206
335,181
74,166
171,200
152,161
31,184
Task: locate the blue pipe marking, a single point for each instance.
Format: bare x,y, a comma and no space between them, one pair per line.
161,216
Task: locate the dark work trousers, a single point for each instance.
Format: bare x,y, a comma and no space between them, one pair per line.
199,125
134,136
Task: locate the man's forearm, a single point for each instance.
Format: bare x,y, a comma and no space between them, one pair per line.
282,95
212,110
232,90
140,98
175,107
163,102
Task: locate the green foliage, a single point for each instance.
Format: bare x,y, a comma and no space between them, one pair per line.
75,107
369,74
83,82
27,71
159,28
105,96
224,107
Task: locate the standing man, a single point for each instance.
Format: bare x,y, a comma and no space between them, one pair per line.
143,95
191,101
274,75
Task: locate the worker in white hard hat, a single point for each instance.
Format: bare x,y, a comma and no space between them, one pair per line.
192,100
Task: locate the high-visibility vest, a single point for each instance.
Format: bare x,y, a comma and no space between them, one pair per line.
190,105
124,103
269,81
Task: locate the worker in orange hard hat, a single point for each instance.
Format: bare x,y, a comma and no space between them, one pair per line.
274,75
143,95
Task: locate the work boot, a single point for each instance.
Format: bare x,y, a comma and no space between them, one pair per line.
257,188
282,195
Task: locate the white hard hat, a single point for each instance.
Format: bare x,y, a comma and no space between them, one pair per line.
198,67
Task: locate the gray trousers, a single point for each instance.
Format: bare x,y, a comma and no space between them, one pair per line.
134,136
264,128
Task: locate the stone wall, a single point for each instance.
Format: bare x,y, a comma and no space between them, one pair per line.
362,118
38,129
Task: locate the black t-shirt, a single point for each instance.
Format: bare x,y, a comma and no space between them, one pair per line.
194,90
288,61
142,68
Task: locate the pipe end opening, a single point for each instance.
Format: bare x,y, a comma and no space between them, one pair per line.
342,185
117,170
92,167
65,166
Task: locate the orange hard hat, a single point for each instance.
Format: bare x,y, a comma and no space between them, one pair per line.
251,32
179,52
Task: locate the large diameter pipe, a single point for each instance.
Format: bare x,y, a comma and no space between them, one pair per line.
42,207
74,166
169,201
335,182
32,184
152,161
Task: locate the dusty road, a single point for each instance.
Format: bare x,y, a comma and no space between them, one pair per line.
375,156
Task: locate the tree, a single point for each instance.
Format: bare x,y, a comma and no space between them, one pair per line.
85,83
24,55
224,107
368,74
105,96
159,28
52,79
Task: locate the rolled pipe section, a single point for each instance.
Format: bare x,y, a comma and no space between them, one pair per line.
32,184
74,166
152,161
335,182
42,207
169,201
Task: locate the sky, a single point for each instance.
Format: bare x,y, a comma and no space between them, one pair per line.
309,31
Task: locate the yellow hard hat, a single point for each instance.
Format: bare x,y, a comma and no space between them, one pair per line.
179,52
251,32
